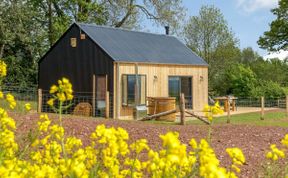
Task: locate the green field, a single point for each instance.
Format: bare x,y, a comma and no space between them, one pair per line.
270,119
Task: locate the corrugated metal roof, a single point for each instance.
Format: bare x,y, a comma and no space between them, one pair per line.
132,46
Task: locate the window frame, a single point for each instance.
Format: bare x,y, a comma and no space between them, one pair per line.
126,104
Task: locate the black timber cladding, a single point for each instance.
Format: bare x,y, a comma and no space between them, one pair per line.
131,46
77,64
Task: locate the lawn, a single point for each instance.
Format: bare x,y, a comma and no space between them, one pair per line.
271,118
19,107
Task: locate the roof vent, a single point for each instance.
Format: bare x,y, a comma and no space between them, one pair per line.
167,29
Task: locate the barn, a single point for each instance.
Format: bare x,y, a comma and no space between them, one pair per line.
101,60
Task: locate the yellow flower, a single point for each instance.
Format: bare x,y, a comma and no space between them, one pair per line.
11,101
193,143
28,106
3,70
139,145
50,102
285,140
53,89
63,92
236,155
1,95
275,153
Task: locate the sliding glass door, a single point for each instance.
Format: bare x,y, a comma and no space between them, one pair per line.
181,84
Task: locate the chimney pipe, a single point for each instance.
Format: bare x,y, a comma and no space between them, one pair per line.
167,30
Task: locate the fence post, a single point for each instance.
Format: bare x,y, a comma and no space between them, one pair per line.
262,107
228,110
182,109
39,100
107,105
286,105
93,95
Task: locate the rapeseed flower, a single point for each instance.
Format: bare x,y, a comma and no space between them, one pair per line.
27,106
275,153
11,100
3,69
237,157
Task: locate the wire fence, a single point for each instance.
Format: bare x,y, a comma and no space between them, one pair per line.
82,104
22,95
256,102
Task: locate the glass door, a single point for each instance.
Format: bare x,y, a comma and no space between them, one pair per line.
101,88
181,84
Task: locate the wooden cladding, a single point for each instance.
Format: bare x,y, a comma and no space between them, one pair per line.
157,82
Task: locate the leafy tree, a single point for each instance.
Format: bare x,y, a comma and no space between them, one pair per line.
209,36
20,39
274,70
268,89
57,15
129,13
241,80
277,37
248,55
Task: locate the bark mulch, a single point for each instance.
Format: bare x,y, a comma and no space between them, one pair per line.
253,140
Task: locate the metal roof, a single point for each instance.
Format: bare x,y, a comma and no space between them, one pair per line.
131,46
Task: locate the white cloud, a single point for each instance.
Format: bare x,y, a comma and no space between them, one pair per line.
250,6
281,55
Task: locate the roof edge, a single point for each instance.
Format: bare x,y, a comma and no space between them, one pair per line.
152,63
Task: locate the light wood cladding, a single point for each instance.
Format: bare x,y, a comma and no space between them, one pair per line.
157,81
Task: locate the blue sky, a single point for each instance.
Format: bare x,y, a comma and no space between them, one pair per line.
247,18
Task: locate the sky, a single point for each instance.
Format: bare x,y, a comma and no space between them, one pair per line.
248,19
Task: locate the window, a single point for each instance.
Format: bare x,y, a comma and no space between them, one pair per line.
179,85
130,96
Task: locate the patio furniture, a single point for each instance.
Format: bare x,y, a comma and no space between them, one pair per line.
227,100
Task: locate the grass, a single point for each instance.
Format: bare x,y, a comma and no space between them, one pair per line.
270,119
19,106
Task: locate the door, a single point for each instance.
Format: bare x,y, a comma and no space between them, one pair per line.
178,85
101,89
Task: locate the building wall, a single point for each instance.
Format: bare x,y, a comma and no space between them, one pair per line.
78,64
159,87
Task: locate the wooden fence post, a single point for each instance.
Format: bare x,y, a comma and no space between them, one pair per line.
39,100
262,107
107,105
228,110
286,105
182,109
94,96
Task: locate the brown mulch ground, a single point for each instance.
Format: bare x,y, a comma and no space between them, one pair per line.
253,140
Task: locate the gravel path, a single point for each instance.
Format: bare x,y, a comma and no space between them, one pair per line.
253,140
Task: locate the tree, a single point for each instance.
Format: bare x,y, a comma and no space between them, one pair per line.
57,15
209,36
241,80
248,55
277,37
128,13
20,40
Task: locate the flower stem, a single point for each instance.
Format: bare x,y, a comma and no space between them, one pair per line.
61,125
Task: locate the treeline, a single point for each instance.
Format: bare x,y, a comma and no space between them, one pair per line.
29,27
232,71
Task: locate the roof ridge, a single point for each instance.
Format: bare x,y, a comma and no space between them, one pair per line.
123,29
